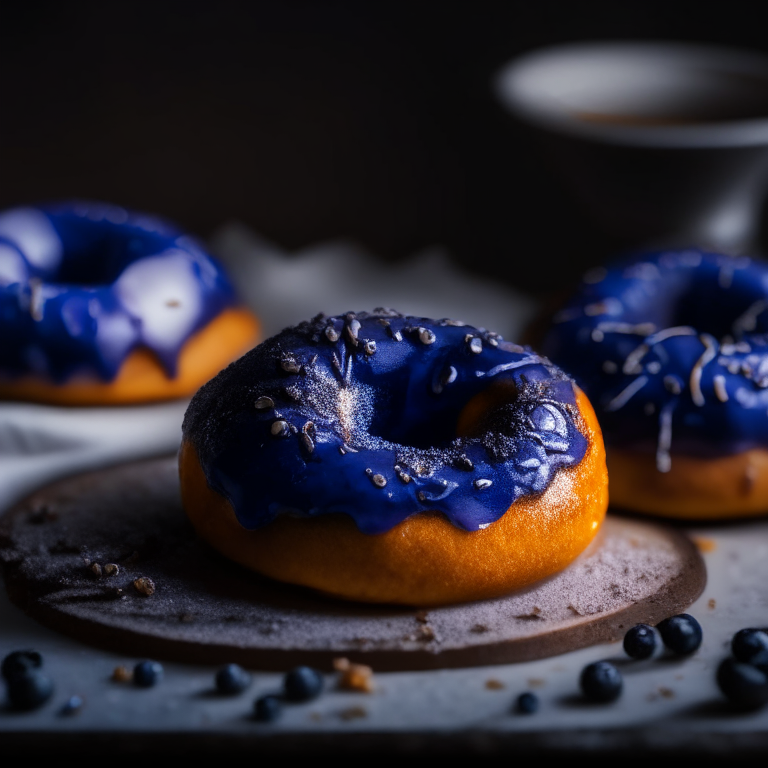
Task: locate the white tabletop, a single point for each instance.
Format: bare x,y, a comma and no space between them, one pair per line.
668,705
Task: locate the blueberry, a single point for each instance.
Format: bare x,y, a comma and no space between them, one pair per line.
72,705
760,660
302,684
29,689
744,685
147,673
20,661
527,703
641,641
232,678
748,643
601,681
267,707
681,634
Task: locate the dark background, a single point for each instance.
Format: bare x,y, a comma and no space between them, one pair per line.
315,120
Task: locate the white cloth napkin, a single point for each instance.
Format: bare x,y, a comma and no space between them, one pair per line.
40,443
336,277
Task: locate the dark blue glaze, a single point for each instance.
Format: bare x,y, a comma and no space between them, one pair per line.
83,284
357,414
672,349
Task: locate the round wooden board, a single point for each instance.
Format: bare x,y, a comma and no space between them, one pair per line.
207,610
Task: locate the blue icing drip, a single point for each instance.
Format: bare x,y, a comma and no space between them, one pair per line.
84,284
358,415
672,349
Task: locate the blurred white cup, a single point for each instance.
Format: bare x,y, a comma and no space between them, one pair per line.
660,141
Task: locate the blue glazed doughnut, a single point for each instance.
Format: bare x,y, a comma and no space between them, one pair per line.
672,349
379,418
84,286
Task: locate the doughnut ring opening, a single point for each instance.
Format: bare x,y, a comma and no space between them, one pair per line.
99,305
394,459
672,349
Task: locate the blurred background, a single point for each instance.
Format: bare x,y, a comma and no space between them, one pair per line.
310,121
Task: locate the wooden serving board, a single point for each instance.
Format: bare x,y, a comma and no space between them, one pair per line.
55,548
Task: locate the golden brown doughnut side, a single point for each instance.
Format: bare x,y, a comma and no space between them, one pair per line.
694,488
141,378
425,560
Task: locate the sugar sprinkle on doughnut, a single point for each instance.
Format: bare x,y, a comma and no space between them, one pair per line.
475,345
280,428
710,351
663,459
720,388
426,336
357,425
694,385
627,394
670,362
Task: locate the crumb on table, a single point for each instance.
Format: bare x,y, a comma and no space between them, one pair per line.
353,713
704,543
353,677
122,674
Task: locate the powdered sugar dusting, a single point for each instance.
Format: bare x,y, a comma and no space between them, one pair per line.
633,571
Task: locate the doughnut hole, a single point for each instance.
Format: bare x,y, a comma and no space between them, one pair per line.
141,378
694,488
425,560
475,414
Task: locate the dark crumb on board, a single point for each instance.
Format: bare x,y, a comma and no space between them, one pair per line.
144,585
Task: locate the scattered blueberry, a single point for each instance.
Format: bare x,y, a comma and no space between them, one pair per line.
744,685
232,678
20,661
147,673
28,689
641,641
760,660
748,643
302,684
601,681
681,634
527,703
72,705
267,708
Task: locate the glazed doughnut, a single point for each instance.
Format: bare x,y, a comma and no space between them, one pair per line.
101,305
386,458
672,349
